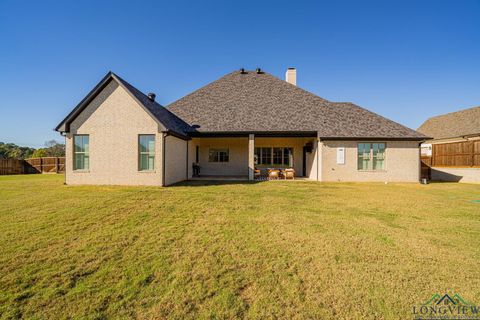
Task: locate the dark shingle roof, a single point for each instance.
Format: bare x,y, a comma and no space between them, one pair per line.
253,102
456,124
163,116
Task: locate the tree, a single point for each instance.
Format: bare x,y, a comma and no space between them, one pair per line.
54,149
12,151
39,153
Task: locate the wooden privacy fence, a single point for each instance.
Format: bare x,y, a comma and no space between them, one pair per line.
11,166
47,164
34,165
456,154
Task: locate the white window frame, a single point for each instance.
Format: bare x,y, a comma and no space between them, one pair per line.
85,153
148,153
371,143
216,157
258,158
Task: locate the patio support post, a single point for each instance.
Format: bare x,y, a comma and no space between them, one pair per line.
251,151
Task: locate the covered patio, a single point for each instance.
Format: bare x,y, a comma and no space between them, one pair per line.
243,178
219,178
251,156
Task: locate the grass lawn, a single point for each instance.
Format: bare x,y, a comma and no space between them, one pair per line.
263,250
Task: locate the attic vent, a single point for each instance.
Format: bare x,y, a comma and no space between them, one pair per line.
258,70
242,71
151,96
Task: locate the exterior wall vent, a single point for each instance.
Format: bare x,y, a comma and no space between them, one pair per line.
151,96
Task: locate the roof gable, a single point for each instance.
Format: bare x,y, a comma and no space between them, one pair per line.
166,120
260,102
451,125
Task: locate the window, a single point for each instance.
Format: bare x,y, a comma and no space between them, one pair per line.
277,156
265,155
218,155
378,153
274,156
364,156
288,157
146,152
81,157
371,156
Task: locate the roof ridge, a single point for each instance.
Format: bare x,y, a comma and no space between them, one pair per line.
298,88
453,112
201,88
453,124
246,72
383,117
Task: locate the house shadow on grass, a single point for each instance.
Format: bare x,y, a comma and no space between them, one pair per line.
444,176
206,183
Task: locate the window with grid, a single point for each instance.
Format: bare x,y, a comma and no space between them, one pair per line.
277,156
218,155
288,157
81,155
263,155
371,156
378,156
146,152
274,156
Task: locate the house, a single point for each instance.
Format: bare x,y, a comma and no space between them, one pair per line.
245,120
454,149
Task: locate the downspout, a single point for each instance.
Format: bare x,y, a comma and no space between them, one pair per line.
318,153
318,157
420,162
186,160
64,134
164,135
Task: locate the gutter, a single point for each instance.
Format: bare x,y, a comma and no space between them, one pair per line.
164,135
318,158
176,134
65,164
186,162
222,134
376,138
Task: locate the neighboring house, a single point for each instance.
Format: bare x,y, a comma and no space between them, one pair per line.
242,121
455,145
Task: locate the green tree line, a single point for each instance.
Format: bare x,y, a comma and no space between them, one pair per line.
52,148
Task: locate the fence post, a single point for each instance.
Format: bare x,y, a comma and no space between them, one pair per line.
433,156
56,164
472,158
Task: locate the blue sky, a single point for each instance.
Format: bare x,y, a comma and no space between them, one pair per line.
406,60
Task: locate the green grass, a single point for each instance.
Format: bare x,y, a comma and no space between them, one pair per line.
239,250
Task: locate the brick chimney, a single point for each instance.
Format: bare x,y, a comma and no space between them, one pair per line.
291,76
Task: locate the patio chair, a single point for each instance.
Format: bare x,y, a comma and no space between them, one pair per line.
289,174
273,174
256,173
